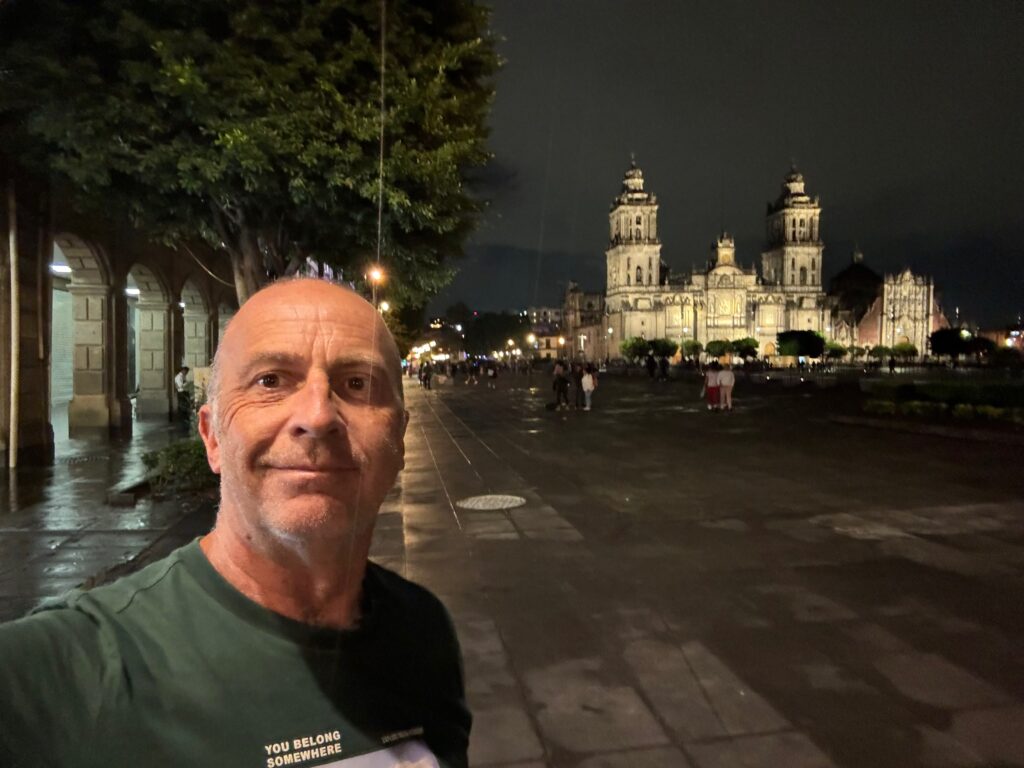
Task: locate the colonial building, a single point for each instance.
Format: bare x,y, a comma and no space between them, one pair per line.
728,301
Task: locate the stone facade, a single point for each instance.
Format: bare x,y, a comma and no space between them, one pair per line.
726,301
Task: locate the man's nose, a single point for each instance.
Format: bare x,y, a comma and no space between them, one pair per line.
316,412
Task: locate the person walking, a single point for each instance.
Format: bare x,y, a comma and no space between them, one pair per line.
726,381
710,390
426,373
588,383
577,384
183,390
663,368
561,386
492,376
651,364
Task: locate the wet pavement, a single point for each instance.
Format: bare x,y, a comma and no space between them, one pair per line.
57,529
762,588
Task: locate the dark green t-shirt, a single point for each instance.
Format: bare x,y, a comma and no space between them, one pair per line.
172,666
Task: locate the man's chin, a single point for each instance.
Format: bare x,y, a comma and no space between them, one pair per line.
316,518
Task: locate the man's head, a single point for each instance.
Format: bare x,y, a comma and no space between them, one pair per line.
183,369
305,422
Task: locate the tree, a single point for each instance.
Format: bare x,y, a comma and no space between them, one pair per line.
801,344
491,331
664,347
904,351
634,348
949,342
745,347
255,127
979,346
692,348
856,351
835,350
879,352
718,347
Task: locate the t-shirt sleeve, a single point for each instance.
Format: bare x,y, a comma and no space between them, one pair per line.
52,683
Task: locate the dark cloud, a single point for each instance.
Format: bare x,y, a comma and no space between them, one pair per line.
906,118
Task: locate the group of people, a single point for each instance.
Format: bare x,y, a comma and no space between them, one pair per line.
582,376
718,383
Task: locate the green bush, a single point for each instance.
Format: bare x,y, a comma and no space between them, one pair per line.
180,466
880,407
962,411
990,412
921,408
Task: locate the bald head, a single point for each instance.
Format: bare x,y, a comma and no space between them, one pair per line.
302,307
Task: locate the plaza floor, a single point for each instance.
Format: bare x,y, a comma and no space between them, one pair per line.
762,588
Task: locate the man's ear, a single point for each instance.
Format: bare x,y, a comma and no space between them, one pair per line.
209,436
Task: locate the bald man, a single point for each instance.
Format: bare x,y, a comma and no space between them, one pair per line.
272,640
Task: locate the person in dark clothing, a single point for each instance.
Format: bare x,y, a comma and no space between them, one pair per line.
561,385
426,373
579,401
663,368
651,364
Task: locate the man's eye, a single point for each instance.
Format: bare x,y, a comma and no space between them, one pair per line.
356,382
268,380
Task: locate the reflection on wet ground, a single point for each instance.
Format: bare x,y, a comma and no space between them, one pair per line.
56,527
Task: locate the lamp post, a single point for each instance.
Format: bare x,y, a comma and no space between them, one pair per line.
376,277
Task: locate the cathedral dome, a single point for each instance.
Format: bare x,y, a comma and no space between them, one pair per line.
856,287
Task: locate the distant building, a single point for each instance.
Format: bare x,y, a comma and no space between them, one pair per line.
727,300
544,315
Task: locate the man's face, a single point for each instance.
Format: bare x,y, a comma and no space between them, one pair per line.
309,426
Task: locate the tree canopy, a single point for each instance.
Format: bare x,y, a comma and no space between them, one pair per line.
745,347
664,347
254,126
692,348
634,348
718,347
835,351
801,343
904,350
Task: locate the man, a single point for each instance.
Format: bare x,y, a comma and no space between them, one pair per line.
184,396
726,381
270,641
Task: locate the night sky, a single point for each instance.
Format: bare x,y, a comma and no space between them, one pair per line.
906,118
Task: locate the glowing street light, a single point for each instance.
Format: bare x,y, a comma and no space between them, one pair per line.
531,339
384,306
376,277
561,341
510,343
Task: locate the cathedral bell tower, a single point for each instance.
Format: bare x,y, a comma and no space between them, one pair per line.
634,250
794,247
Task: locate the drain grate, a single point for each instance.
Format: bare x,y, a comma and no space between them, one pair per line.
491,502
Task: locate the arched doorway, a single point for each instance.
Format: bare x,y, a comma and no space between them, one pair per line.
769,349
151,322
89,305
196,337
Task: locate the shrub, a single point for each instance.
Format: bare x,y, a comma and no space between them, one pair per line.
880,407
989,412
180,466
962,411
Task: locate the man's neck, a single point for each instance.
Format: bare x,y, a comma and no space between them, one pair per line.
315,585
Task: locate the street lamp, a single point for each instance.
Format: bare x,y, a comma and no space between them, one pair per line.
531,339
561,341
376,277
384,306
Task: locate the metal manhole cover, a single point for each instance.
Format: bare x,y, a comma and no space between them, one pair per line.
491,502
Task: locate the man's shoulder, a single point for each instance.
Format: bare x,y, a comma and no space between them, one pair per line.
397,591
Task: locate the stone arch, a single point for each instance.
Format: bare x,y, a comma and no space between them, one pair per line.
94,403
150,347
769,349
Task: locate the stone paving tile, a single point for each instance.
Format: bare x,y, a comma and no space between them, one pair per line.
932,680
668,682
777,750
995,734
668,757
502,735
581,710
740,709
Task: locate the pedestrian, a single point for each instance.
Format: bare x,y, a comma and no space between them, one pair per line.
651,365
474,372
892,365
588,384
710,389
726,381
272,639
427,372
561,386
663,368
492,376
579,401
183,390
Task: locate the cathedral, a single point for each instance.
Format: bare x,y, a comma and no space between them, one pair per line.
728,301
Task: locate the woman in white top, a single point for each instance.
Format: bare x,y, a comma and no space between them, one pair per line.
726,381
588,384
710,390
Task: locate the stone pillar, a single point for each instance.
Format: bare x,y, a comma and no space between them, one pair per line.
154,355
119,403
196,338
90,407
